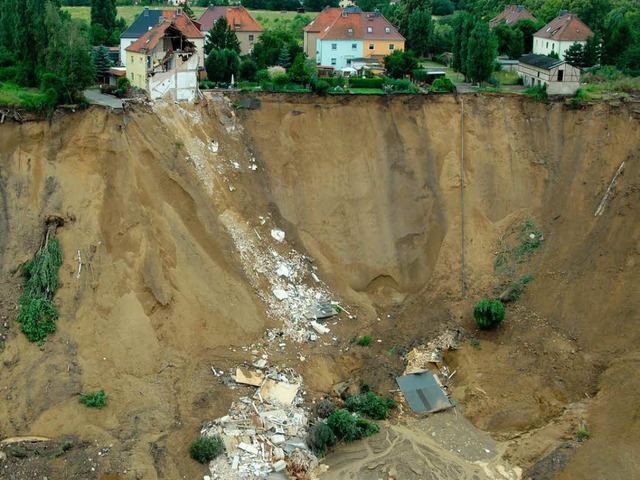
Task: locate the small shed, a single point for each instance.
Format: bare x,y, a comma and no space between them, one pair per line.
559,77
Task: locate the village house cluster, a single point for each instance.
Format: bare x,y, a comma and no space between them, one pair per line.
163,50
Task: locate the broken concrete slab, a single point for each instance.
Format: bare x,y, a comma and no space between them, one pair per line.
321,329
321,310
248,377
278,393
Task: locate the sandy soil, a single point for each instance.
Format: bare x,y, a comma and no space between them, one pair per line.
369,188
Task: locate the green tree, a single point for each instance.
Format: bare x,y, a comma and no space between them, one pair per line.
248,69
592,51
298,71
510,41
488,313
372,5
284,60
528,28
442,38
317,5
481,53
462,26
103,12
399,64
618,35
629,61
420,32
101,62
575,55
268,48
221,64
220,37
187,10
443,7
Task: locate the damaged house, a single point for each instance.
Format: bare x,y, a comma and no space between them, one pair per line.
164,62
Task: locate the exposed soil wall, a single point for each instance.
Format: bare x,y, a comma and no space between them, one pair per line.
368,187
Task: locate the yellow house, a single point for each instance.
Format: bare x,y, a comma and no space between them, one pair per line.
160,49
380,38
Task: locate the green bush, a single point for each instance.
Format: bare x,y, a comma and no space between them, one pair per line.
321,87
539,92
205,449
37,311
320,438
370,405
488,313
364,341
262,76
281,79
442,85
94,400
207,84
375,82
349,427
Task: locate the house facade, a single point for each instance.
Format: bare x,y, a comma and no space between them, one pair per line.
150,18
356,34
239,19
559,34
558,76
163,54
317,25
511,15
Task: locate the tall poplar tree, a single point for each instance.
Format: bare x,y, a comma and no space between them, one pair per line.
420,32
103,12
481,53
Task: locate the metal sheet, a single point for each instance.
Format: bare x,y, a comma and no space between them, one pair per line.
423,392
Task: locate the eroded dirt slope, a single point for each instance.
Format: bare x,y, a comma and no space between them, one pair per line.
368,187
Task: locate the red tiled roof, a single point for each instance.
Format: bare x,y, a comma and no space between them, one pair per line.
238,17
150,39
360,26
343,27
377,27
567,27
511,15
323,20
184,23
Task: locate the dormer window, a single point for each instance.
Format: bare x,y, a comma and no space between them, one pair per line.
349,30
369,29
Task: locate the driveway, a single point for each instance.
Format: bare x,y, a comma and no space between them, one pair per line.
96,98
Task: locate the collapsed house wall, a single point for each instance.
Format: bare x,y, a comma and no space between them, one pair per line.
179,84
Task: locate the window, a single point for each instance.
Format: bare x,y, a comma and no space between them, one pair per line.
349,30
333,61
131,76
560,75
334,46
140,59
131,58
354,46
387,30
251,38
547,44
391,46
369,29
371,47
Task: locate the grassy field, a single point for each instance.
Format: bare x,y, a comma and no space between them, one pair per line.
506,78
266,18
453,76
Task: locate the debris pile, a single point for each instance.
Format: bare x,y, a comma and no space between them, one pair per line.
285,281
266,433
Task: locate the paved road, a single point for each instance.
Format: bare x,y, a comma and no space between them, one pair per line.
97,98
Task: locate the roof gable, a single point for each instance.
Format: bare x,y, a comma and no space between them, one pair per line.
326,18
183,22
143,22
152,38
511,15
567,27
238,18
360,26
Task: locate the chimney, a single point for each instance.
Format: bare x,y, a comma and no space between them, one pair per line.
563,12
376,12
146,11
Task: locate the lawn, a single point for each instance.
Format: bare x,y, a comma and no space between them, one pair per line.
506,78
453,76
266,18
366,91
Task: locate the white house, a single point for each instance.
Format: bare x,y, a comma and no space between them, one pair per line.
558,76
559,34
